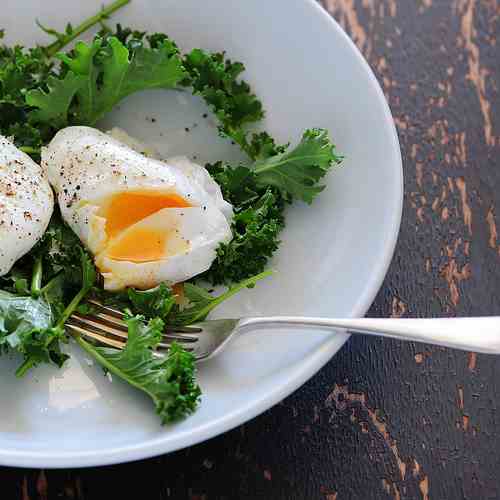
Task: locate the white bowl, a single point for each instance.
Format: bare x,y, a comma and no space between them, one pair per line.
332,260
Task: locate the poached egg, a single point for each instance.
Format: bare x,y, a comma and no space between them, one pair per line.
26,204
145,221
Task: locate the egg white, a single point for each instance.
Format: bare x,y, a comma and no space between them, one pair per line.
26,204
87,168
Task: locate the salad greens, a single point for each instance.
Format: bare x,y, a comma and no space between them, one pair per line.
161,301
169,381
42,90
98,76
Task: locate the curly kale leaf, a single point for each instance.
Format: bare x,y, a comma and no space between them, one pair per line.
216,80
169,381
100,74
297,172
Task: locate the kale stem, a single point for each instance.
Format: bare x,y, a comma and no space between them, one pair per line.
71,307
105,12
36,280
29,363
202,313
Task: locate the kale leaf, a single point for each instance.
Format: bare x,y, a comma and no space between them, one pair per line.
26,325
216,80
169,381
201,302
297,172
98,76
259,194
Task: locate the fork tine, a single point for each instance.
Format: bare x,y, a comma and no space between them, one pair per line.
102,339
179,337
110,311
108,316
184,329
119,328
94,326
115,333
110,341
162,346
104,321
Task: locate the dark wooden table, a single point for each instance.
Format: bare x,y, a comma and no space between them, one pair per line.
383,420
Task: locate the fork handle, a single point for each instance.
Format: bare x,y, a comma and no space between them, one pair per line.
481,334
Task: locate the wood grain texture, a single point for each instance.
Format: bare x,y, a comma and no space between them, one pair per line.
383,420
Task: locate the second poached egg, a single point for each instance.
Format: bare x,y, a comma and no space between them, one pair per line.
26,204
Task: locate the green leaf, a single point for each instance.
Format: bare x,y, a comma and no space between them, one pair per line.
89,273
238,184
150,68
21,315
170,382
202,302
216,80
26,326
157,302
257,223
298,171
263,146
61,251
101,74
52,106
259,193
160,303
83,65
32,326
21,70
88,279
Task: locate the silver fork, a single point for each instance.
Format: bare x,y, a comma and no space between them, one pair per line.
208,338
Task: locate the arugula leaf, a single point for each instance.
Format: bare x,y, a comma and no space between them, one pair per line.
170,382
58,267
39,339
101,74
297,172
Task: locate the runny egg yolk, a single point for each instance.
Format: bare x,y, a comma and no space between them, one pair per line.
138,244
127,208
